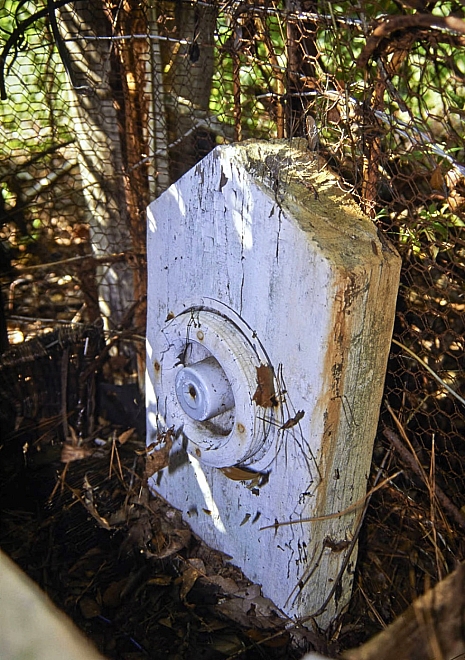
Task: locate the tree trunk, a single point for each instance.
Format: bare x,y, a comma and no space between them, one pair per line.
95,74
157,130
302,56
188,81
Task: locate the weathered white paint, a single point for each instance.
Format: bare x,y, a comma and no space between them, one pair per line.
257,258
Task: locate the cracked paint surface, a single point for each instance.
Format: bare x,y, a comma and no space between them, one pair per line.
262,229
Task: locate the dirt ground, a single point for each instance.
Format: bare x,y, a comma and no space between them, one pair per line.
76,514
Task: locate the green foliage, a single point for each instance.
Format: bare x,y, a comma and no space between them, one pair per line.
260,66
35,112
434,230
421,96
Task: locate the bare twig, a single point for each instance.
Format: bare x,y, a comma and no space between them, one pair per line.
354,540
415,466
329,516
16,35
104,259
428,368
394,23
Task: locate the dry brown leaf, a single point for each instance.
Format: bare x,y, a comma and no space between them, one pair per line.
198,564
189,578
227,643
249,608
158,459
240,474
456,202
265,394
333,115
120,517
177,541
89,607
112,594
161,580
139,534
124,437
437,180
166,622
209,624
227,585
264,637
70,453
158,542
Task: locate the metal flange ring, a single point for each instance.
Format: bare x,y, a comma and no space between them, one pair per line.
204,350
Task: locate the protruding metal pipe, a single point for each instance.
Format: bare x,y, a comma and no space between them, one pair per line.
203,390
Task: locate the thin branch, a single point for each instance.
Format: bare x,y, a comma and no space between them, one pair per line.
34,157
17,33
329,516
394,23
62,50
354,540
104,259
415,466
428,368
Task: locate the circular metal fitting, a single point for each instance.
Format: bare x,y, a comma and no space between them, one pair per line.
203,390
205,385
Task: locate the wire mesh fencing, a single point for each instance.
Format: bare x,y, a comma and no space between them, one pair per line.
104,104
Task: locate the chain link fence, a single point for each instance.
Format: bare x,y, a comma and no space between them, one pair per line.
104,104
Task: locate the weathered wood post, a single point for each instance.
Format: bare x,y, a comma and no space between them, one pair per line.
270,311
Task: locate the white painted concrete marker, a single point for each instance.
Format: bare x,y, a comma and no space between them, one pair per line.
271,302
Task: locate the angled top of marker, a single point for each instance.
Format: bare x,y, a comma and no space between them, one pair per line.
301,183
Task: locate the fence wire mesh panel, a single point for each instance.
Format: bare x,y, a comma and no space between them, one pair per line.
105,103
